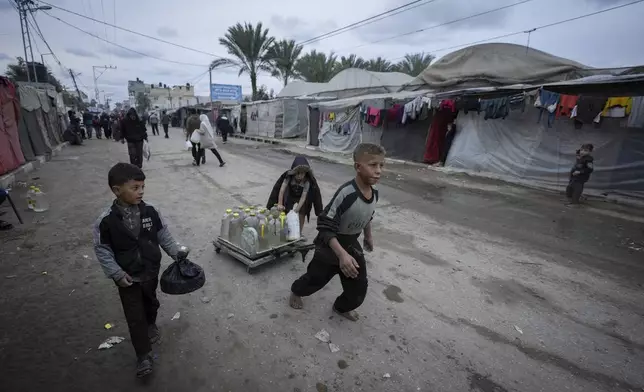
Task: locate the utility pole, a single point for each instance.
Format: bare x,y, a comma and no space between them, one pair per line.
210,84
71,73
104,68
24,7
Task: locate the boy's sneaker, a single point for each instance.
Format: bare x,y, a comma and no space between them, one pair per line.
153,334
144,365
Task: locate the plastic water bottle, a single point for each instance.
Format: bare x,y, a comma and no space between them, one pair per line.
225,224
241,211
282,227
275,211
40,201
235,229
292,225
251,220
249,241
30,197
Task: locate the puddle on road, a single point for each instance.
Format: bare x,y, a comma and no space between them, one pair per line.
393,293
342,364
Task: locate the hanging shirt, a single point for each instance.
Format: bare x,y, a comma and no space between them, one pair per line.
448,104
625,102
566,104
588,108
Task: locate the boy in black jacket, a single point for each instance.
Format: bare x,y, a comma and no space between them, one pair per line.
126,240
580,173
337,249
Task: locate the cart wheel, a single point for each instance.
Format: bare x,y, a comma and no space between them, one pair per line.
218,250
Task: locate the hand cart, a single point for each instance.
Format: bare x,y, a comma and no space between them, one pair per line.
287,249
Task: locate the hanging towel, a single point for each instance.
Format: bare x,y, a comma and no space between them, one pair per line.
495,108
636,118
625,102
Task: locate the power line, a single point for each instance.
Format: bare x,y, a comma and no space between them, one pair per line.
357,24
440,24
121,46
524,31
129,31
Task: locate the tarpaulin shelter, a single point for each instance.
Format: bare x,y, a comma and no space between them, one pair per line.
519,149
496,64
40,126
11,156
279,118
339,126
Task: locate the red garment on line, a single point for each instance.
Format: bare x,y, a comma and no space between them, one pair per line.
373,116
436,139
566,104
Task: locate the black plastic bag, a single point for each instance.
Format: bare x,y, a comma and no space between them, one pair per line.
182,277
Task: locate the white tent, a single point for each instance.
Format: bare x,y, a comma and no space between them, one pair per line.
350,82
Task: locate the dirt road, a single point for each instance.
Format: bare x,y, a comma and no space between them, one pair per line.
483,287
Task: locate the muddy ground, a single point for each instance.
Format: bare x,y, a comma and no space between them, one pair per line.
473,286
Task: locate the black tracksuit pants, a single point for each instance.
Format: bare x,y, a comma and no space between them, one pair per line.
323,267
140,305
135,150
574,190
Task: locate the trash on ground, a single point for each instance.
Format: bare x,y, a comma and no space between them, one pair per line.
334,347
71,292
88,350
205,299
176,316
44,272
323,336
108,326
11,276
386,375
518,330
231,315
86,256
110,342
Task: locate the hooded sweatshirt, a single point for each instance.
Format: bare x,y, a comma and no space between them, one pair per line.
133,130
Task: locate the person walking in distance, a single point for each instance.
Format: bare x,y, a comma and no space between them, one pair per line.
105,124
154,122
193,123
223,124
133,131
165,121
207,135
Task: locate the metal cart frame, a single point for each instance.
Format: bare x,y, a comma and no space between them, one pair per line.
287,249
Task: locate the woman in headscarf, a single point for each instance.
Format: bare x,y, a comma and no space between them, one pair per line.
208,140
297,185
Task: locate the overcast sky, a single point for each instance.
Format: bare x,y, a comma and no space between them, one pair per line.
605,40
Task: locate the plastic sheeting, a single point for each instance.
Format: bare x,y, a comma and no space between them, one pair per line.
343,133
262,117
520,150
496,64
407,141
11,155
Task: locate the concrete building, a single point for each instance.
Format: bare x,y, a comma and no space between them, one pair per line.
165,97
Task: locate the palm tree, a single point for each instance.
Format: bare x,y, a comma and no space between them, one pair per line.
317,66
284,55
415,63
17,72
249,46
379,65
352,61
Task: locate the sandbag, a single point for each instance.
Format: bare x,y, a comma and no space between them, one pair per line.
182,277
